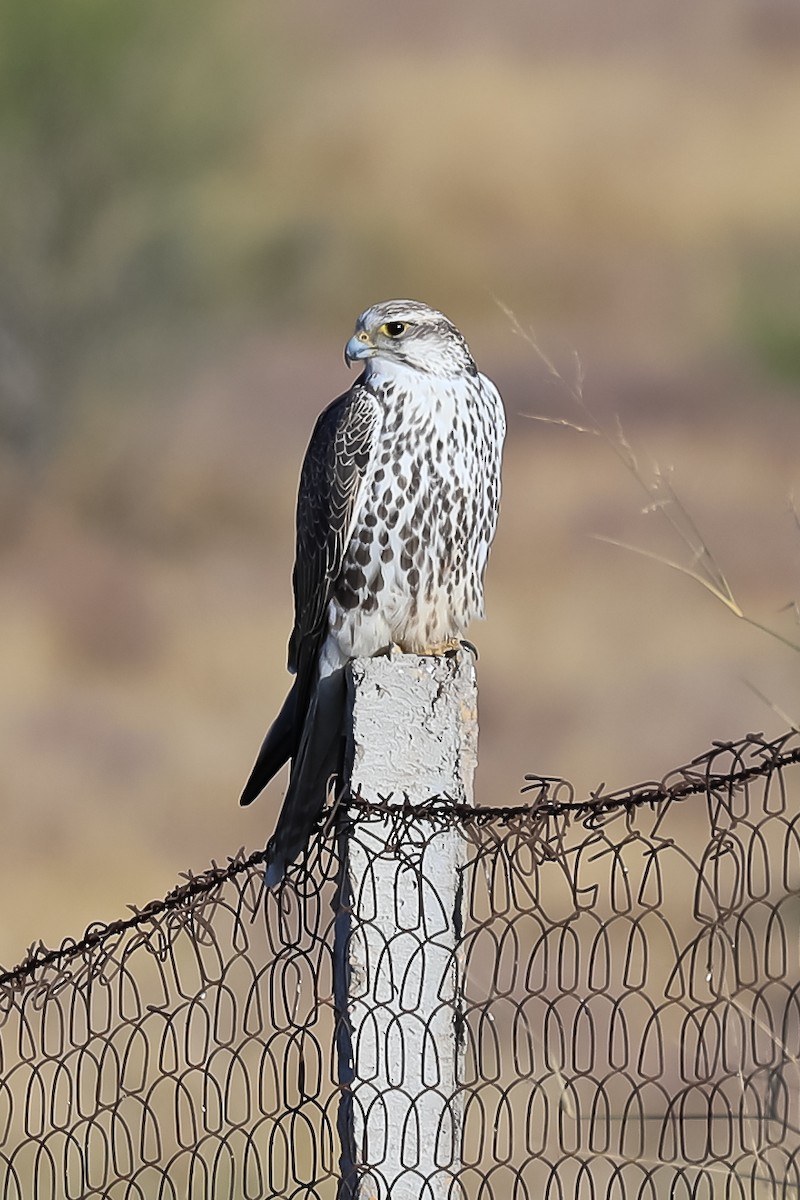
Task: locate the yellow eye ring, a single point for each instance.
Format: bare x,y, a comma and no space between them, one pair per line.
394,329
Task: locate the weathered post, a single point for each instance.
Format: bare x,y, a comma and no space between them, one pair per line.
413,737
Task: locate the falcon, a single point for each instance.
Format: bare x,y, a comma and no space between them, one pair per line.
396,511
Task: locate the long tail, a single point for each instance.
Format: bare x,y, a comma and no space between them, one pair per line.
317,757
278,747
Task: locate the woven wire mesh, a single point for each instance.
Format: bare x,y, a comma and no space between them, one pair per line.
627,1011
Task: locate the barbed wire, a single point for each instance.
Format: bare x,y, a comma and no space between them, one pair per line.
629,1008
691,780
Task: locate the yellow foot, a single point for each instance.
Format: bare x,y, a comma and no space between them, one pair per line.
451,646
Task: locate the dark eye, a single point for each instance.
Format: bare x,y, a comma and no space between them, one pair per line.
394,329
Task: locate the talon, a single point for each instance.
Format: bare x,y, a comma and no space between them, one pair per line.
390,650
436,650
451,646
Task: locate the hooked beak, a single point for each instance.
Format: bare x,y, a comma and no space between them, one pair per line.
358,347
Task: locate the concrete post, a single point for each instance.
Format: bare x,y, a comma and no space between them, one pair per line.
413,737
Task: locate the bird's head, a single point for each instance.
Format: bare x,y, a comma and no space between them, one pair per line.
413,335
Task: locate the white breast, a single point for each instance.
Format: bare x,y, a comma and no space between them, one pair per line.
413,572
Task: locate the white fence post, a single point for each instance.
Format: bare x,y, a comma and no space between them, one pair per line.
413,737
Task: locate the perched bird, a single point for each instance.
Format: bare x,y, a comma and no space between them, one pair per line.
396,510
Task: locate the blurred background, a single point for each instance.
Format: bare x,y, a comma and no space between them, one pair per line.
196,200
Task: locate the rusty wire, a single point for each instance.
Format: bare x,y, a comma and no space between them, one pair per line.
630,1010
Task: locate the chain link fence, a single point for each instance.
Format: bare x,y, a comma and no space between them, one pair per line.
627,1013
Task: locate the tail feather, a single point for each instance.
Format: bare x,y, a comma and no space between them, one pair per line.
278,747
318,757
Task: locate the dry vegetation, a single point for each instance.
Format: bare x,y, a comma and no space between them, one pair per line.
637,199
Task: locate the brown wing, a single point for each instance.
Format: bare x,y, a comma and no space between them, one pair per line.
331,479
328,500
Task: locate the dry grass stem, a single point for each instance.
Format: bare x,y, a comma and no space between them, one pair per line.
662,498
776,708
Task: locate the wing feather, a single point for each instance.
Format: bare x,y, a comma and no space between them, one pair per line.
328,500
